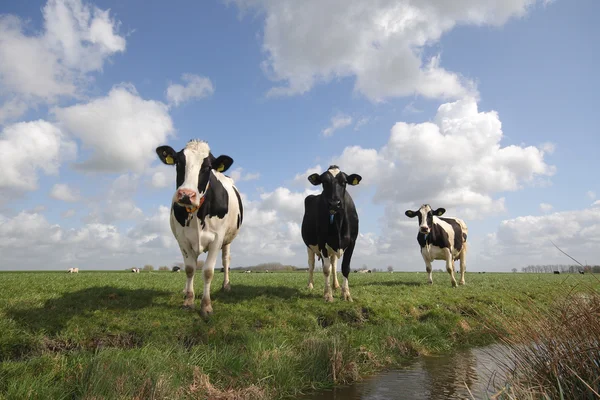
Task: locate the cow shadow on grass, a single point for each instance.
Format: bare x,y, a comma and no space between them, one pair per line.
248,292
389,283
56,313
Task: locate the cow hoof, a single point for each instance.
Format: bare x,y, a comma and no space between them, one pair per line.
187,306
430,283
348,298
227,287
461,282
206,312
310,286
336,286
454,284
328,298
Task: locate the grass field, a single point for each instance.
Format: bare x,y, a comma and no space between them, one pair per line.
123,335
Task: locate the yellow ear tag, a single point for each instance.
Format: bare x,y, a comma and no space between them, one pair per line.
221,168
169,160
355,181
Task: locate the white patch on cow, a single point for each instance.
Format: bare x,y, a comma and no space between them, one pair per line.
424,210
195,152
332,252
334,171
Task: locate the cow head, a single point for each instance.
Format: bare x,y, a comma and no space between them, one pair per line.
195,164
334,184
425,214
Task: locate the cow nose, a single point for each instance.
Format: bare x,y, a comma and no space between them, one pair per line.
424,229
335,204
186,196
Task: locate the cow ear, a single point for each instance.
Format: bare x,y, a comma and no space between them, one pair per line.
439,212
166,154
315,179
354,179
410,214
222,163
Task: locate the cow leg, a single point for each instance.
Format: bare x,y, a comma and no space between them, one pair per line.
327,271
226,259
429,270
335,283
346,271
463,264
189,260
450,265
208,271
311,266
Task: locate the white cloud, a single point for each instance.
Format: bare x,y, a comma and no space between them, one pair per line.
69,213
238,176
196,87
76,39
528,239
121,129
545,207
62,191
27,148
118,203
337,122
411,109
12,109
361,122
381,43
591,194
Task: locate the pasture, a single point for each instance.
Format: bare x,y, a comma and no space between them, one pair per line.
123,335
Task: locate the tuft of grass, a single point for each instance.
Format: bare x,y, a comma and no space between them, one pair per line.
122,335
553,352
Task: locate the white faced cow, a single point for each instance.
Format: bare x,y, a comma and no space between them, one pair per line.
330,227
206,213
441,239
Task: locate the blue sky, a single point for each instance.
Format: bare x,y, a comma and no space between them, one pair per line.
530,62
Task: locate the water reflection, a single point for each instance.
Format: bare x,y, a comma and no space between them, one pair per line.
430,378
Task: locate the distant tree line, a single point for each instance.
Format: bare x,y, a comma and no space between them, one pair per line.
572,269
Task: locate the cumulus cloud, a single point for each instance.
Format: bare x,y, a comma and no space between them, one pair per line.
337,122
62,191
238,175
380,43
27,148
92,245
117,203
122,130
545,207
195,87
528,239
76,39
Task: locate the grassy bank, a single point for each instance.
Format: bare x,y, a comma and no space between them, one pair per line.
124,335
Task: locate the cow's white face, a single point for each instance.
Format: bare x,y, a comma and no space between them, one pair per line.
195,164
425,214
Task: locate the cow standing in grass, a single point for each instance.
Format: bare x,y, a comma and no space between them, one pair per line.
330,227
441,239
206,213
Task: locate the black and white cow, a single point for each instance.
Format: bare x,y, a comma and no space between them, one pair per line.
330,227
206,213
441,239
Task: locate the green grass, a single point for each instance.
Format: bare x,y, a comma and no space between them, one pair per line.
122,335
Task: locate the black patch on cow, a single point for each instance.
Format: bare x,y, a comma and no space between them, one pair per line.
458,234
437,236
181,214
216,202
180,168
240,218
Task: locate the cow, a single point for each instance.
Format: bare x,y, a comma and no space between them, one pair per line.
206,213
135,270
330,227
556,272
176,269
73,270
441,239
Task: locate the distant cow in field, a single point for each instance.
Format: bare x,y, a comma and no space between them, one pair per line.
441,239
73,270
330,227
556,272
135,270
206,213
582,272
176,269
